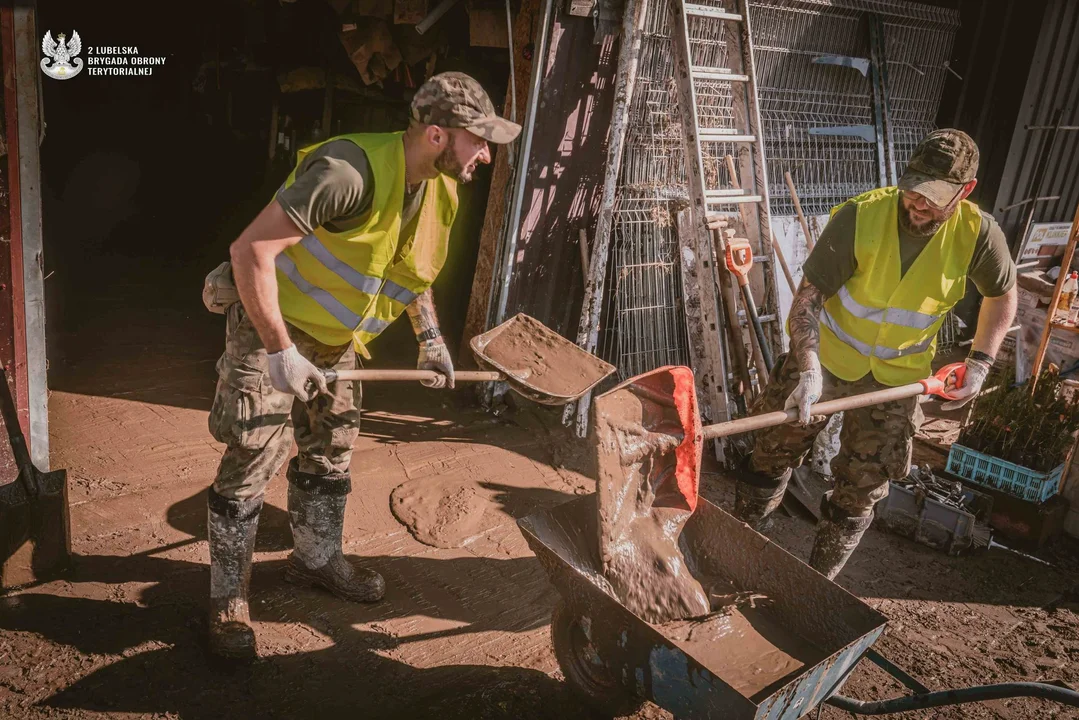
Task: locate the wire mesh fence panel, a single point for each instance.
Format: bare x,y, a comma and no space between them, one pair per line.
814,73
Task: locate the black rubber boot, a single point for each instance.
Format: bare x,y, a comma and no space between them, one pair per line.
231,526
838,534
756,496
316,510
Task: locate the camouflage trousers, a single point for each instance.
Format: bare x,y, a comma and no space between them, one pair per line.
875,442
257,423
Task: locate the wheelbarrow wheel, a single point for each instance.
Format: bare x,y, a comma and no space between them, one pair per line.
585,672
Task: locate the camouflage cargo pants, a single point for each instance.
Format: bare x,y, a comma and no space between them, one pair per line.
257,423
875,442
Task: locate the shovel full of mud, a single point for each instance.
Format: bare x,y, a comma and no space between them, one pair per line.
532,359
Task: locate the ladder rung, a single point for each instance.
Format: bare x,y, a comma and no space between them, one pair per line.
713,199
713,73
723,135
711,12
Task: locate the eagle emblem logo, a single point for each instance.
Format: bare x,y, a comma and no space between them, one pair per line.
60,62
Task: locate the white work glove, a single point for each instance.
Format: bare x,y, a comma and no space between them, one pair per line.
434,355
977,372
809,389
291,372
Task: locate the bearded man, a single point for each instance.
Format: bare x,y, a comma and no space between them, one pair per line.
876,288
353,238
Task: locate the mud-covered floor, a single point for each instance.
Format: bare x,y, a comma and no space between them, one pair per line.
462,633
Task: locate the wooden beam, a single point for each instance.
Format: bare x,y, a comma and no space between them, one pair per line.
629,47
501,184
1047,331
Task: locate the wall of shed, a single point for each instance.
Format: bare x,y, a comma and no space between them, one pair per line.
1051,83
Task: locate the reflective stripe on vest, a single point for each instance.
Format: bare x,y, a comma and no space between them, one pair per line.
882,320
350,285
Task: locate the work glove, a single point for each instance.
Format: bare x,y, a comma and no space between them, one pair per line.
291,372
809,389
434,355
977,372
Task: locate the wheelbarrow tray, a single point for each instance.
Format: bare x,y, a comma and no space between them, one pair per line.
539,363
651,664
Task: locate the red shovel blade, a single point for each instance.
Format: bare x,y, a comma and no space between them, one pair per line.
639,422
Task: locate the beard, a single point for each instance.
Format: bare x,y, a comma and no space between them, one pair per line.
448,163
928,228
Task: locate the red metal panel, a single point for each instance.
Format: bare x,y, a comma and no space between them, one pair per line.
12,301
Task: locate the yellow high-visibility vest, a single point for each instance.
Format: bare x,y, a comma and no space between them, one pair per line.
884,322
341,286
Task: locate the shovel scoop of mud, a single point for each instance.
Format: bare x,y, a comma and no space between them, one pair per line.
648,444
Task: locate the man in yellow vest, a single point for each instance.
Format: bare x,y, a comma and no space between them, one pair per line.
354,237
889,266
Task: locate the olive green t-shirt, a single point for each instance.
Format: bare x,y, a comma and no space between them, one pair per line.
334,188
832,261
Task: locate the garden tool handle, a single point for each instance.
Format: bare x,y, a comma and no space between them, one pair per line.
414,375
930,386
936,385
739,267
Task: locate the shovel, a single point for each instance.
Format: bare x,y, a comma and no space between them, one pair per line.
651,423
35,524
534,360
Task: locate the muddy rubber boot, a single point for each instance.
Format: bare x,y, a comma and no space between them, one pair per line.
231,526
756,496
838,534
316,510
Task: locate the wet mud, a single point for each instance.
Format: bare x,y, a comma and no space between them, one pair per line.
441,512
745,646
544,359
641,453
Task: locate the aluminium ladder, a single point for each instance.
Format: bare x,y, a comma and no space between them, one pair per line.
708,290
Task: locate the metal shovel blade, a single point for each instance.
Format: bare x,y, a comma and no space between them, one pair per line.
537,362
35,535
35,523
648,436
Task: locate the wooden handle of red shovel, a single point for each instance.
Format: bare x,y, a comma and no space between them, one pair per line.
935,385
413,375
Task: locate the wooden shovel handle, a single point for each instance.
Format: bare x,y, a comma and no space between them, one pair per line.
413,375
828,407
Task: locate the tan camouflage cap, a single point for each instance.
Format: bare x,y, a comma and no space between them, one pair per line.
456,100
944,161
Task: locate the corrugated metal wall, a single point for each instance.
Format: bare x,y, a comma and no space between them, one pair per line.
1052,83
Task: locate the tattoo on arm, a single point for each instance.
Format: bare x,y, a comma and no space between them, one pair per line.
421,312
805,326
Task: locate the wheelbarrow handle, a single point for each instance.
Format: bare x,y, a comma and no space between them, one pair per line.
413,375
934,385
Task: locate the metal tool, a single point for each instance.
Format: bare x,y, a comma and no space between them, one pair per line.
35,524
534,384
739,257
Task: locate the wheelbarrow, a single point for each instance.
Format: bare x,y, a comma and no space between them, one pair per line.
780,653
535,361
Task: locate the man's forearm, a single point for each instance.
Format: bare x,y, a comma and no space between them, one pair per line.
256,282
994,319
805,326
421,312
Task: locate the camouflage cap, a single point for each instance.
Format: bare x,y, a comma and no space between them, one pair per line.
456,100
943,162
